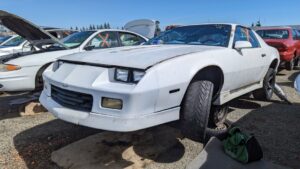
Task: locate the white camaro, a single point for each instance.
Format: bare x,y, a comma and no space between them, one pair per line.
186,74
23,71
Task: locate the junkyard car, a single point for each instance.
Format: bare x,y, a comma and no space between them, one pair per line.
190,70
18,44
286,40
3,39
23,71
15,44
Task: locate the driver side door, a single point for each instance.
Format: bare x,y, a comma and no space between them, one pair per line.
252,60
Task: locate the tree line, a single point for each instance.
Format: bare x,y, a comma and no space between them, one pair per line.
92,27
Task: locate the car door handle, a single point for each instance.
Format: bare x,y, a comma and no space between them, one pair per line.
263,55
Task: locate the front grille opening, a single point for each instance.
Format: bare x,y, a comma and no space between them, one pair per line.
71,99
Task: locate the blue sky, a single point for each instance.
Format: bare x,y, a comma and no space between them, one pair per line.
66,13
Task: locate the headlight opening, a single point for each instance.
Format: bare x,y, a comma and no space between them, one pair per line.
128,75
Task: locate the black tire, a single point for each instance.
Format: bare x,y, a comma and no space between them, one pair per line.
267,91
290,65
196,109
39,82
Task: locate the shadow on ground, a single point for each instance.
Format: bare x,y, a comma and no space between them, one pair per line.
35,145
111,149
276,127
9,107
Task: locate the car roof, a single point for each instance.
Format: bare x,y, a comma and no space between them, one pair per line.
272,27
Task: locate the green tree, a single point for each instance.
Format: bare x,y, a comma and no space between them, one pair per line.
258,24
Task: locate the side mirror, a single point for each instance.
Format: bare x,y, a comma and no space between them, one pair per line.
89,47
27,48
239,45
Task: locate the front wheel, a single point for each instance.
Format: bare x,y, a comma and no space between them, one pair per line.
266,92
196,109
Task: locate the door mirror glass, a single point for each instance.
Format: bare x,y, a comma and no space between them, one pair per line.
242,45
89,47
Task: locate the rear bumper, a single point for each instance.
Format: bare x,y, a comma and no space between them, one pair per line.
108,119
286,56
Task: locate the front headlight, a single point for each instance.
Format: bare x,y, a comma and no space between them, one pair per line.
128,75
56,65
9,67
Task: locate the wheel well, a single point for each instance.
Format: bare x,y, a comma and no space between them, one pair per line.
274,64
39,74
213,74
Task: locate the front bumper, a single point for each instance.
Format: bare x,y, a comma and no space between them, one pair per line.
109,120
20,80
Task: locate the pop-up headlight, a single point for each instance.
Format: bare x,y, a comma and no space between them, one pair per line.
128,75
56,65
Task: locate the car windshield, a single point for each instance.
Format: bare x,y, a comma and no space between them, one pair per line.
76,39
210,35
2,39
273,34
14,41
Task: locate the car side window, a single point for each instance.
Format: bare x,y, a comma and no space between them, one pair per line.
104,40
128,39
295,34
245,34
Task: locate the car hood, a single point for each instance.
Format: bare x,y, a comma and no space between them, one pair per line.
34,34
141,57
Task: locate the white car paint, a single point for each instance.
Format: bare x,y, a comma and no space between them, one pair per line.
139,26
151,101
25,78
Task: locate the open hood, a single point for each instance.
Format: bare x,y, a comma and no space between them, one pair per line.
145,27
34,34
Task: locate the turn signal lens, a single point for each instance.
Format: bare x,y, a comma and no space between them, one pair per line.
7,68
112,103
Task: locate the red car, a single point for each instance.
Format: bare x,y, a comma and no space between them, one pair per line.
286,40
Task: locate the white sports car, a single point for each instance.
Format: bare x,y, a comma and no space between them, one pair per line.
188,73
23,71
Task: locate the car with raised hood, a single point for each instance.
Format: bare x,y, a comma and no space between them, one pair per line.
17,44
23,71
286,40
188,73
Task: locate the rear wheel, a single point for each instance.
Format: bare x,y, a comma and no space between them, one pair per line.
196,109
266,92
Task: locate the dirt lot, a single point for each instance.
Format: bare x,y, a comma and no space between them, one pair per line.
27,140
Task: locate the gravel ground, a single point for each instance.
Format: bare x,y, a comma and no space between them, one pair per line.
28,141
